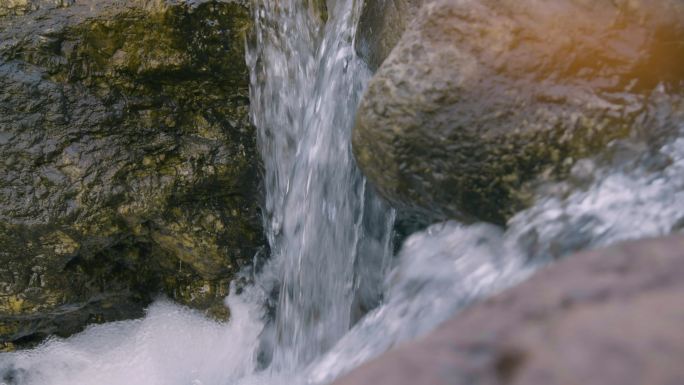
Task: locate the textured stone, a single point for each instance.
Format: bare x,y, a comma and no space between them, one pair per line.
128,165
20,7
480,98
381,24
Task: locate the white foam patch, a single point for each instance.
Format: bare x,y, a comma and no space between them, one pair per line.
172,345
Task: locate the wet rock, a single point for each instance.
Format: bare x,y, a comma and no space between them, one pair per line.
128,163
381,24
320,9
21,7
603,317
482,97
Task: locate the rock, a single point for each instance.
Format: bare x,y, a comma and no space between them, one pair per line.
381,24
481,97
129,165
20,7
603,317
320,10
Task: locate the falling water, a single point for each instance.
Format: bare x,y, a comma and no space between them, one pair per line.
321,218
338,295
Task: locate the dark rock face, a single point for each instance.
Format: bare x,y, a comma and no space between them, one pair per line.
602,317
128,162
482,97
381,24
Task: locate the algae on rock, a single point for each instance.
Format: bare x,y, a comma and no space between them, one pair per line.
128,166
21,7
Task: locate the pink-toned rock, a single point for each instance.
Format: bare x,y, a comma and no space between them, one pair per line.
609,317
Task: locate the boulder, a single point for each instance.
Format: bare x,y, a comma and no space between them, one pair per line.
597,318
480,99
381,24
129,165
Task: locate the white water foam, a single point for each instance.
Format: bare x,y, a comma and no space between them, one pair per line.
172,345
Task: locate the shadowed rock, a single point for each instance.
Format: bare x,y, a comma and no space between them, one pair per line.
381,24
128,162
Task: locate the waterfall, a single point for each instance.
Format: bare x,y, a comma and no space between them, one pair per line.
331,296
321,218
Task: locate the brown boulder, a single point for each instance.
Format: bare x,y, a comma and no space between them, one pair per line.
481,99
603,317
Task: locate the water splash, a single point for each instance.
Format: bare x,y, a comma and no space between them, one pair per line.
439,271
170,346
639,193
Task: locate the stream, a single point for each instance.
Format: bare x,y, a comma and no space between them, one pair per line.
333,294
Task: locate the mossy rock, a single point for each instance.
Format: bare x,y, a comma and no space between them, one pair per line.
21,7
129,165
480,99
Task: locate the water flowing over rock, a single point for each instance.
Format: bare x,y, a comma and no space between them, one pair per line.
129,165
481,98
604,317
448,266
331,296
329,233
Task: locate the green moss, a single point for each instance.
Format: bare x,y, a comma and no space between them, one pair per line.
6,347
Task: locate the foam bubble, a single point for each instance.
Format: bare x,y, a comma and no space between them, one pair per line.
172,345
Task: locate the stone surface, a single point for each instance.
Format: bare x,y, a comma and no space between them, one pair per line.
381,24
480,98
128,164
604,317
20,7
